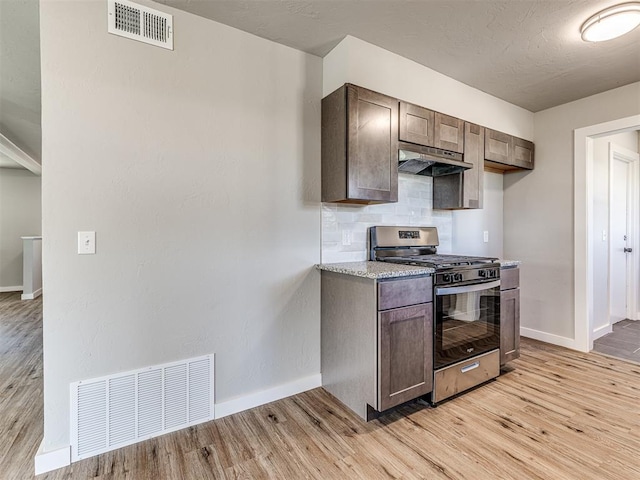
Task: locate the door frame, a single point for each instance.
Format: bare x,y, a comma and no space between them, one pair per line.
618,153
583,237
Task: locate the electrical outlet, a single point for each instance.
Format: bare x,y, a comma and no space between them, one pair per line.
86,243
485,236
604,235
347,237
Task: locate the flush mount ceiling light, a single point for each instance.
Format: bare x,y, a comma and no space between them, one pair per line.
611,22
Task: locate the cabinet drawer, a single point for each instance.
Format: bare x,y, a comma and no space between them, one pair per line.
404,292
464,375
509,278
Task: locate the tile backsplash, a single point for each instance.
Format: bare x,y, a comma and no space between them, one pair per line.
345,227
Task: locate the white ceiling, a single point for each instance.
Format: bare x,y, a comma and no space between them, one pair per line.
527,52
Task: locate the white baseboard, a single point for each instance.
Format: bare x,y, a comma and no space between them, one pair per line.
31,296
548,338
601,331
17,288
48,461
266,396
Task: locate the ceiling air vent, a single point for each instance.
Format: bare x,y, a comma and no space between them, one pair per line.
130,20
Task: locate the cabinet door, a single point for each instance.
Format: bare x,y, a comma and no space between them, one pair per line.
448,133
522,153
405,354
372,146
416,124
509,325
497,146
473,179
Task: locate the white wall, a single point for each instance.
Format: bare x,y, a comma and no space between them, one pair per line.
539,215
199,170
20,215
600,258
361,63
469,225
358,62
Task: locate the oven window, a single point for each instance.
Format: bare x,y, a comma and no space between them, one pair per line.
467,324
467,317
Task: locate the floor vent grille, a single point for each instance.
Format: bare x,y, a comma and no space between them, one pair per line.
118,410
130,20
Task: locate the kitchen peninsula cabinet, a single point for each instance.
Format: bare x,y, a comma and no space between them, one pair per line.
376,340
359,146
509,314
505,152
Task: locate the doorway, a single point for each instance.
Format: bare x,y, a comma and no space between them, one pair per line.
588,325
622,229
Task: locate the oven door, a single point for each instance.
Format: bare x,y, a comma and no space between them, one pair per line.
467,321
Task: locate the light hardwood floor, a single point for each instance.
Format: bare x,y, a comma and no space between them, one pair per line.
556,415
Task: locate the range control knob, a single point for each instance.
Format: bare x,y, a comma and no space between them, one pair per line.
483,273
458,277
446,277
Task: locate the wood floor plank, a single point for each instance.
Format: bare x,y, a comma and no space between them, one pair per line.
555,414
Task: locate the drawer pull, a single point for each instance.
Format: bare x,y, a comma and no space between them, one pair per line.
470,367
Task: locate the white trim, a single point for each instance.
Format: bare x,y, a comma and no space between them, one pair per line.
15,153
263,397
52,460
583,222
17,288
601,331
31,296
548,337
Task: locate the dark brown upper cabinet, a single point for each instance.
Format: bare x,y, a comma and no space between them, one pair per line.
448,133
359,146
506,152
416,124
431,129
463,190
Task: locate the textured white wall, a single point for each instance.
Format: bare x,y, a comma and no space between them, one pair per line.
538,209
600,259
199,170
469,225
20,215
361,63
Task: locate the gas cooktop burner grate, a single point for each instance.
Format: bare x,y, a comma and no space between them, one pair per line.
439,260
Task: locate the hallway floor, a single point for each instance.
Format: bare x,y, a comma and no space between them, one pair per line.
623,342
21,420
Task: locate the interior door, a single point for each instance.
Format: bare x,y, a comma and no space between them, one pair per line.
619,238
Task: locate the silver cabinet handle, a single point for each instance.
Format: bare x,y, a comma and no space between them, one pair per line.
476,287
470,367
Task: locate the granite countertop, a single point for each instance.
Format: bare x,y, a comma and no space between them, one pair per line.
375,270
509,263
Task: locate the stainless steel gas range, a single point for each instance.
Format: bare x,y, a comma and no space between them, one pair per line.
466,293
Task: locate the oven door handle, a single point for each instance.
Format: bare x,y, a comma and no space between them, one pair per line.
476,287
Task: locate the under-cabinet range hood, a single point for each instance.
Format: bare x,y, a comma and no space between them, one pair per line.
429,161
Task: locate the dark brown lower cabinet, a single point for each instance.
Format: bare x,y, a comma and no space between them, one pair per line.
509,316
405,355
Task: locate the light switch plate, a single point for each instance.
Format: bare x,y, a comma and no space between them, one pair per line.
485,236
86,243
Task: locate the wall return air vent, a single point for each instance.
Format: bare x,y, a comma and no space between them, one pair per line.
118,410
130,20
